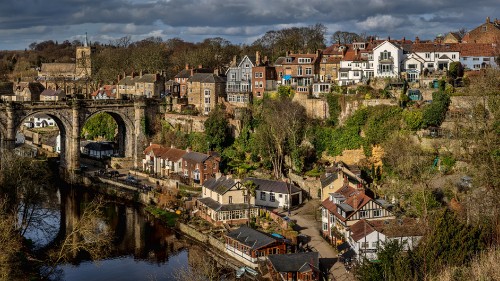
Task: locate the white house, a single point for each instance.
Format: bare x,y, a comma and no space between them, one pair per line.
475,56
39,121
435,56
387,59
275,194
365,237
357,64
97,149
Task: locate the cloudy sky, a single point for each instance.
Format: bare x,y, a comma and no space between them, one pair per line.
240,21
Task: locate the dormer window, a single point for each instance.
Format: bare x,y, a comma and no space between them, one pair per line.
304,60
288,59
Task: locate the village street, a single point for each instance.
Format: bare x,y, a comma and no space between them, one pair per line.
308,222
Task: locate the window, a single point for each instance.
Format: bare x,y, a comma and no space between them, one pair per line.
262,196
356,73
486,59
207,96
304,60
233,76
385,55
475,58
271,197
247,65
299,70
453,56
365,245
374,245
230,199
288,59
464,58
377,213
343,75
363,214
436,55
325,226
309,71
430,65
427,55
280,195
412,66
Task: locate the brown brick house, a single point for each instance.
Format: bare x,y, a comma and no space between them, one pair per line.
488,32
205,90
200,167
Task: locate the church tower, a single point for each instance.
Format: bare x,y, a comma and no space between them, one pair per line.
83,67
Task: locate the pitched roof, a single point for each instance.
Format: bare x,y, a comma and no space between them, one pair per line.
52,93
58,67
477,50
251,238
157,149
216,206
273,186
108,90
174,154
220,185
328,179
206,78
195,156
406,227
127,80
147,78
435,47
297,262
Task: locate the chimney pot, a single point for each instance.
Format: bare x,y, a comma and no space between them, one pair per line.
187,66
487,19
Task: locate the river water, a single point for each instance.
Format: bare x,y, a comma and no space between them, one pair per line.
143,248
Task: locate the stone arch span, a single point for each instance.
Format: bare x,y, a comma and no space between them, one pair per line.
126,130
63,124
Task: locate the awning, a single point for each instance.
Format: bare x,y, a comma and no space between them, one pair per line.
343,246
349,254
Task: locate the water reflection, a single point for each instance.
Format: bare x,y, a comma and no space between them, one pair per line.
143,248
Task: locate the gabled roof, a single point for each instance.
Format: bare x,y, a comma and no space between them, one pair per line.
185,73
195,157
406,227
273,186
206,78
146,78
216,206
174,154
328,179
157,149
128,80
220,185
360,230
434,47
477,50
108,90
297,262
251,238
250,58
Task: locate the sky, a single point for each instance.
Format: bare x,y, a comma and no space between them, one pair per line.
239,21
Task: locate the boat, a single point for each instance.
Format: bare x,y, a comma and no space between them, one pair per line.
240,271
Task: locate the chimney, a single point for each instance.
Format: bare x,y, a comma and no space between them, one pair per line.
132,74
188,149
172,145
233,63
388,38
288,53
140,73
216,72
404,39
257,58
218,175
192,72
187,66
118,78
355,202
417,40
200,66
266,60
487,19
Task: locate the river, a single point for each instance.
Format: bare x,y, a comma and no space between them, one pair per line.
143,248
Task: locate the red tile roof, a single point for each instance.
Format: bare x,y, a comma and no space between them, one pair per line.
477,50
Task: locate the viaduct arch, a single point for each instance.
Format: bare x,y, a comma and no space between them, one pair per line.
71,115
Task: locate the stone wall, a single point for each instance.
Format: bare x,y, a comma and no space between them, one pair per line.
315,108
309,185
186,123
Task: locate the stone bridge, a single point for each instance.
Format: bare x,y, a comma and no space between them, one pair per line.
71,115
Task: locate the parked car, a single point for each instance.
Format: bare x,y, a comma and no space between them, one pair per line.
132,180
113,173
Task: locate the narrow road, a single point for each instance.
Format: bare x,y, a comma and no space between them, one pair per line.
309,223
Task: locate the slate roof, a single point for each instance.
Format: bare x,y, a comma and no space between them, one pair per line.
147,78
206,78
251,238
185,73
326,180
52,93
220,185
297,262
128,80
195,157
216,206
273,186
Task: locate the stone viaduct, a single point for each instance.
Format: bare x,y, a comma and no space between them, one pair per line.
130,115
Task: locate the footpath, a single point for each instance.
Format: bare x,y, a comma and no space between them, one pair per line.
309,223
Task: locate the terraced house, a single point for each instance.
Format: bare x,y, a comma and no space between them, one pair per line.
299,71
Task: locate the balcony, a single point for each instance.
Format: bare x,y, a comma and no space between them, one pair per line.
383,59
